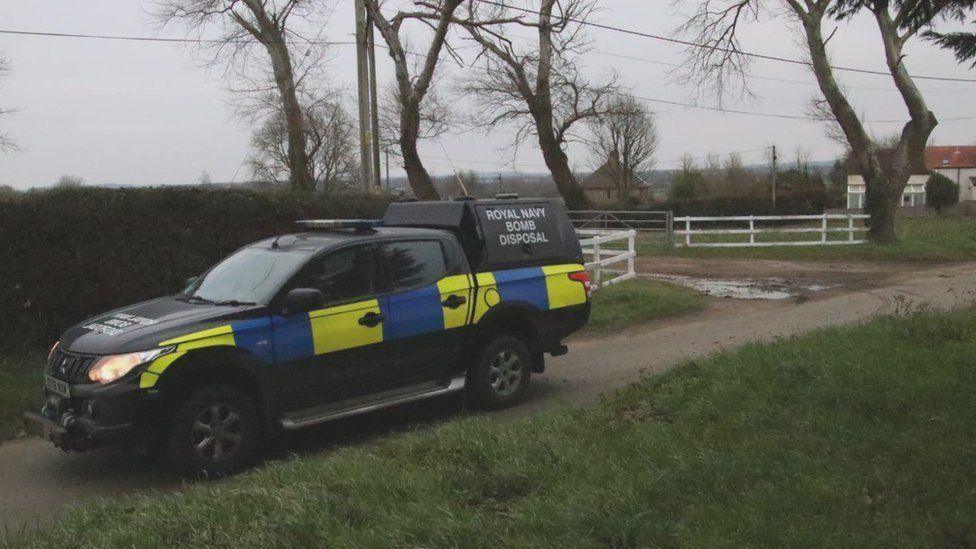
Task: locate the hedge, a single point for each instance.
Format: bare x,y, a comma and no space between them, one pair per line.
66,254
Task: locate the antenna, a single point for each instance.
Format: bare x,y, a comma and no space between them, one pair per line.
451,162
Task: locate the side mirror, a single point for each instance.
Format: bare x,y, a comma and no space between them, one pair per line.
303,300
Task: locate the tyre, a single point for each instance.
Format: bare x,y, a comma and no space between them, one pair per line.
216,433
501,374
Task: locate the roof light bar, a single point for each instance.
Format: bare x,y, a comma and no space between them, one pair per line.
339,224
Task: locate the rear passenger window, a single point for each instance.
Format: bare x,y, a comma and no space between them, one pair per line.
414,263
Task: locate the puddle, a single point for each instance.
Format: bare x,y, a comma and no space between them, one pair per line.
766,288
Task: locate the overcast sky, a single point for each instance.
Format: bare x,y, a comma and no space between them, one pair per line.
146,113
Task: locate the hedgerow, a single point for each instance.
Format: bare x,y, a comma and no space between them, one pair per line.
66,254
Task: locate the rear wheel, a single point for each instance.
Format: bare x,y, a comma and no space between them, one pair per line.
501,375
216,433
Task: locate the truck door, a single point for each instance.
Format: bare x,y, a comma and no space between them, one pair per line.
428,308
342,351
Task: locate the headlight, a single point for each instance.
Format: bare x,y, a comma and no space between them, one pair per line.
51,352
112,367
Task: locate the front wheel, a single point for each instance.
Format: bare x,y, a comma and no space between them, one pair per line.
501,375
216,433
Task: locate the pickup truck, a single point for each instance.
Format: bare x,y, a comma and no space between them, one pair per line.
338,319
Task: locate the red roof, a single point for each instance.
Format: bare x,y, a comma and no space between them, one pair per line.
950,157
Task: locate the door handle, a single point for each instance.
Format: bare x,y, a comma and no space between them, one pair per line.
371,319
454,301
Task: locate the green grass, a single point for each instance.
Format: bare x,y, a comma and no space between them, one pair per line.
20,384
856,436
933,239
635,301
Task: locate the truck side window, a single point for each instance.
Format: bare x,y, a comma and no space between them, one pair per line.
414,263
343,276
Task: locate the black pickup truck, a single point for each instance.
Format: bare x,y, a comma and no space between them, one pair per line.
339,319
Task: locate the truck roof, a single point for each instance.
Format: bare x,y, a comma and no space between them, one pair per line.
313,241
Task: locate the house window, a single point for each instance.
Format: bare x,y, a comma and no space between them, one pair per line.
855,201
609,194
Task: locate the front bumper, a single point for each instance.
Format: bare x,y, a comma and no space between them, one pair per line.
92,416
79,433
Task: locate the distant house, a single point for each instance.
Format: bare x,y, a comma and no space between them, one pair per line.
955,162
600,187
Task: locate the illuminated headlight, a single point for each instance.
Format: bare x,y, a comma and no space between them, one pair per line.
112,367
51,352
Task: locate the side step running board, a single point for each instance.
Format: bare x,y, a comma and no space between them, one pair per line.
337,411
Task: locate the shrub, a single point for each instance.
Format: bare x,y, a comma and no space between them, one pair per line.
69,253
940,191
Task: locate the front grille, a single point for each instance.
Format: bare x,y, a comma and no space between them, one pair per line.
71,367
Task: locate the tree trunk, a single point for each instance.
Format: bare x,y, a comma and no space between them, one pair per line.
417,174
562,175
301,178
881,200
542,111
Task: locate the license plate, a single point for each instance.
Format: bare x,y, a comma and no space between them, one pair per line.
57,386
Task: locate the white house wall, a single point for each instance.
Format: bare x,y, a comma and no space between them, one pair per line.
965,178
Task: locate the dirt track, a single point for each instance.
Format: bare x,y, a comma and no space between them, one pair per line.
38,482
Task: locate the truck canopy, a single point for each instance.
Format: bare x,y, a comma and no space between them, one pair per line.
497,234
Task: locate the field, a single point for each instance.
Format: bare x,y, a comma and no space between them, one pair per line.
934,239
856,436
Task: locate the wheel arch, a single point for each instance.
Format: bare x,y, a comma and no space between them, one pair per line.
517,319
223,365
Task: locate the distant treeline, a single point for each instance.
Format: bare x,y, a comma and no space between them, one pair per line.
69,253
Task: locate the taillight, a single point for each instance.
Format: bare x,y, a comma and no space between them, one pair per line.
583,278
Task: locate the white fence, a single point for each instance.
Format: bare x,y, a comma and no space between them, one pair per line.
641,221
846,226
605,249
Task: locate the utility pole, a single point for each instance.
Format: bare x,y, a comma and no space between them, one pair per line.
387,153
775,170
374,120
362,62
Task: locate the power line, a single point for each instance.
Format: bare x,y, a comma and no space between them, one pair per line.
165,39
771,78
771,114
678,41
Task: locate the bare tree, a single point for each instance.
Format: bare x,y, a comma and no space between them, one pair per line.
6,142
242,25
540,88
413,82
436,118
719,58
70,182
624,140
330,141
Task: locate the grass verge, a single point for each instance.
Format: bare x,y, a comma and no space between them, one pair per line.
20,383
856,436
932,240
635,301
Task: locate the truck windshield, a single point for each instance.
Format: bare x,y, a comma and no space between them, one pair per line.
252,275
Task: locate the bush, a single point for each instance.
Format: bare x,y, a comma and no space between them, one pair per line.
940,191
73,252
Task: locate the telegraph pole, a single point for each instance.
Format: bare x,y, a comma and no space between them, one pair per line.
373,107
775,170
362,66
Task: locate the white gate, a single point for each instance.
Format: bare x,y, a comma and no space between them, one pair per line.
605,249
